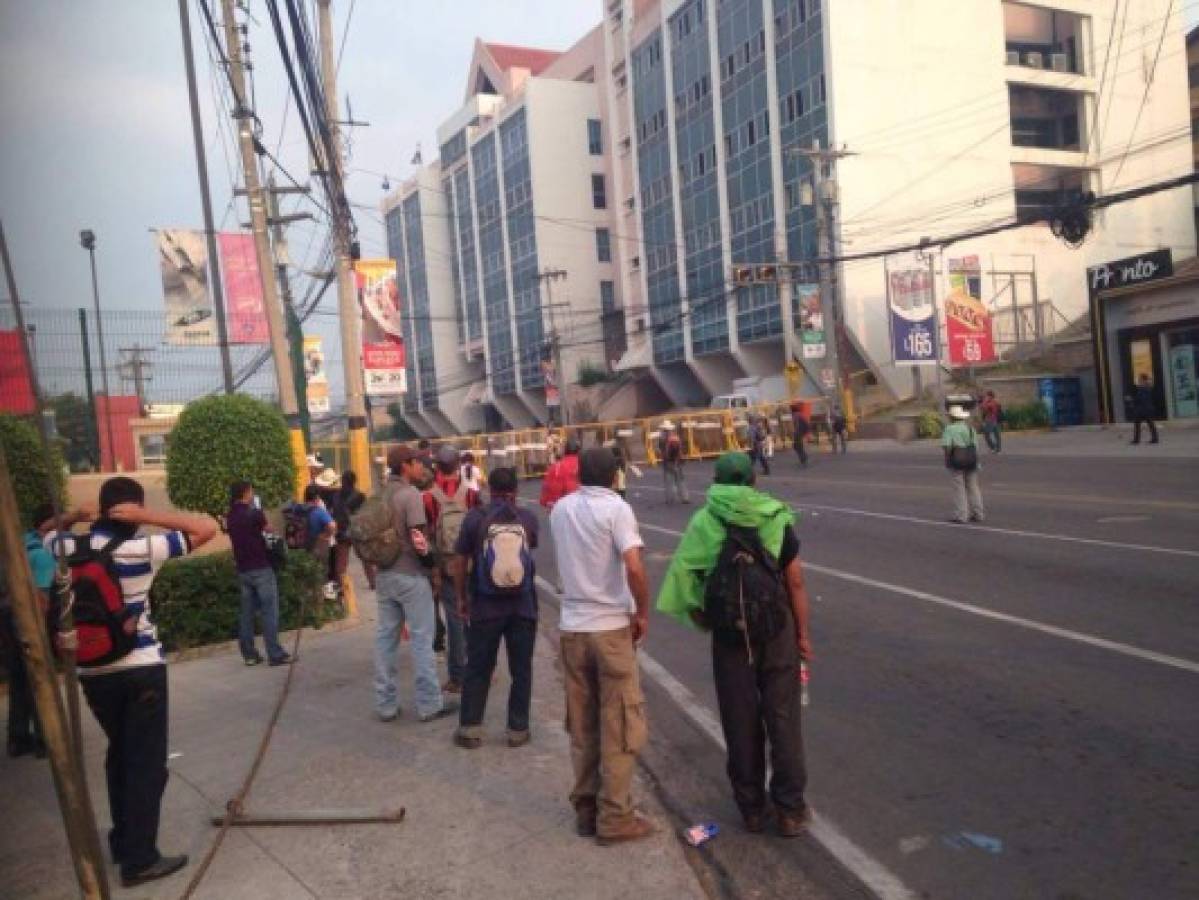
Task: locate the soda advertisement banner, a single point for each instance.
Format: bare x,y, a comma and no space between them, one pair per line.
913,324
183,261
245,312
967,321
811,321
383,355
316,375
16,387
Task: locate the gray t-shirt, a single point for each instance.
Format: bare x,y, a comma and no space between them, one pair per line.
409,510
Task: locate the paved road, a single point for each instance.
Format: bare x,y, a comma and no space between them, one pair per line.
998,711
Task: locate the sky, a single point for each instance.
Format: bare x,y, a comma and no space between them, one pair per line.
97,134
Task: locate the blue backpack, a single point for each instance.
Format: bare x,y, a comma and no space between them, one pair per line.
504,562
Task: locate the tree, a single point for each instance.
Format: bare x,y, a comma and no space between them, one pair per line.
76,423
27,464
223,439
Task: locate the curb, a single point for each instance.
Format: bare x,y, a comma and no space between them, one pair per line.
229,647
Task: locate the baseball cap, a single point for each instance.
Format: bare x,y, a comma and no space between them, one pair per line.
397,456
734,468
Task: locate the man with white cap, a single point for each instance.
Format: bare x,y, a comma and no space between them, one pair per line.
960,444
670,449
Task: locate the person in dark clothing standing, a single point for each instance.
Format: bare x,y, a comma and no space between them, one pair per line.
759,434
758,687
347,501
800,427
493,576
1143,408
259,589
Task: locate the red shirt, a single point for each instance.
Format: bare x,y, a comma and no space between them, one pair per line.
449,487
561,479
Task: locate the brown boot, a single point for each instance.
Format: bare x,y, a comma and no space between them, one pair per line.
755,822
585,815
793,824
637,828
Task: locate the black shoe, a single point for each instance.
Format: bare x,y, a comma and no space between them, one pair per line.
166,865
19,746
255,660
285,660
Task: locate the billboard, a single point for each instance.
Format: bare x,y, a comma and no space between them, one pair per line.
244,308
914,329
183,261
967,321
382,337
811,321
316,375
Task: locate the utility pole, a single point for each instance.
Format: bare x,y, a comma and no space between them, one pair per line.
548,277
134,369
214,269
932,281
87,382
262,247
87,239
347,291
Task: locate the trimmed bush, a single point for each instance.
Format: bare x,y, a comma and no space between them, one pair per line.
1026,416
219,440
929,425
27,465
197,600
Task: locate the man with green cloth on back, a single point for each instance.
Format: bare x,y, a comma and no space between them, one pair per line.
737,573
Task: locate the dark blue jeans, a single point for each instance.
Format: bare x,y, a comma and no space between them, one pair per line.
260,591
482,647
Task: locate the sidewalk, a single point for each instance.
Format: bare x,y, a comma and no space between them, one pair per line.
492,822
1179,440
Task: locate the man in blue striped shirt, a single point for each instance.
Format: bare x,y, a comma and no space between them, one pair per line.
129,696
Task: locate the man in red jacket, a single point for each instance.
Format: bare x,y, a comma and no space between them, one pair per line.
562,477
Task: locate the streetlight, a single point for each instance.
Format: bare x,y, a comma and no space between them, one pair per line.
87,240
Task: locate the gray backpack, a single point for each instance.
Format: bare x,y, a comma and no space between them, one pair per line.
373,532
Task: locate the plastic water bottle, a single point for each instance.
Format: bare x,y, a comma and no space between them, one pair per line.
804,675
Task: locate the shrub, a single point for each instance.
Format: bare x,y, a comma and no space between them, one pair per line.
1025,416
222,439
27,464
929,425
591,374
197,600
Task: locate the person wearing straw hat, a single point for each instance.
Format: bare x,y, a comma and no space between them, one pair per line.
960,444
670,450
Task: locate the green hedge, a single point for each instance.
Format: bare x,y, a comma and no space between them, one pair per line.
1025,416
929,425
197,600
27,465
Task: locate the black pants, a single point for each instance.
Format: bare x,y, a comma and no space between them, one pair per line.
760,701
1136,430
800,450
23,725
131,707
482,648
758,455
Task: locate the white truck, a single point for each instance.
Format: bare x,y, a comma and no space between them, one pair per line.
752,391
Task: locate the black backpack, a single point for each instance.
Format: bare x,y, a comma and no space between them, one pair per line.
745,598
106,629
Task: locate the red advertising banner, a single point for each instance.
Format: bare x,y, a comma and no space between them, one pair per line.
244,308
16,387
383,365
382,336
967,321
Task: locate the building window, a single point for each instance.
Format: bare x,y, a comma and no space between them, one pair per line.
595,141
603,245
599,193
607,296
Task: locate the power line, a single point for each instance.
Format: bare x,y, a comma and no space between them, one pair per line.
1145,95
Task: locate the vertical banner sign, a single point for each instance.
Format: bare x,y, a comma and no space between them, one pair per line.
16,387
317,376
382,337
967,322
913,325
1183,359
811,321
183,259
245,312
549,376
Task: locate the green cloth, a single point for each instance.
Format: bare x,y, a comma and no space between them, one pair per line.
958,434
683,587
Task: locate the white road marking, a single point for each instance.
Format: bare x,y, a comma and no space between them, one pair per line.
877,877
1112,520
1078,637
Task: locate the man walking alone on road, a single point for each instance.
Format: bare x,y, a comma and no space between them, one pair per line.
670,451
737,574
1143,409
246,524
960,445
405,596
605,615
992,414
496,594
800,427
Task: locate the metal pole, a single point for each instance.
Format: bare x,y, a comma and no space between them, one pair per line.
262,247
347,292
824,243
932,279
214,269
87,381
295,335
89,242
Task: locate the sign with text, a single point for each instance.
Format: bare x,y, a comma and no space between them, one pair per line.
810,321
967,321
183,261
1134,270
913,324
383,351
244,309
316,375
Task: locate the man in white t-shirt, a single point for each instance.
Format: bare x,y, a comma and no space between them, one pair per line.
129,696
605,615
